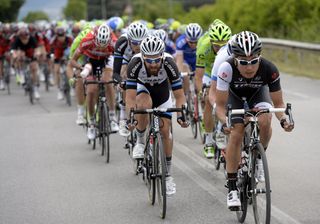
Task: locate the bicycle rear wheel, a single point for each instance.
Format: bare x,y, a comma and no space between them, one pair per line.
261,193
160,171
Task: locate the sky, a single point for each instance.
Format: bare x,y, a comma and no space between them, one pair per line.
53,8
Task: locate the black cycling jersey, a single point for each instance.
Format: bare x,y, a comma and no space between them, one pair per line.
267,74
137,73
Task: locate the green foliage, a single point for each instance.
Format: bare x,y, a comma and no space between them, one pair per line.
151,10
291,19
35,15
76,9
9,9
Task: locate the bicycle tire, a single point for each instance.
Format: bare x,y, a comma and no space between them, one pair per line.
46,77
192,118
160,171
216,158
257,202
7,78
150,171
243,188
106,131
101,126
30,90
201,131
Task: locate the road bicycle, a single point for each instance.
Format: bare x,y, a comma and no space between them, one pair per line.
153,166
252,191
101,114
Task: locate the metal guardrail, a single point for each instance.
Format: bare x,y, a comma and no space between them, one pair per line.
292,56
290,44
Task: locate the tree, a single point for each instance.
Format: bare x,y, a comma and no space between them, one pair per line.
35,15
9,9
76,10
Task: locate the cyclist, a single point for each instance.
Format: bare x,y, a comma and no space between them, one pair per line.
79,84
170,47
248,75
148,87
4,48
116,24
98,46
209,44
25,46
60,45
127,46
186,52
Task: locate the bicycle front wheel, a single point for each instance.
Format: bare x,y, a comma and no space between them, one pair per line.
160,171
106,132
260,190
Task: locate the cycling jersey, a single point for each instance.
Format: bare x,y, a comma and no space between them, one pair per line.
170,47
77,40
122,53
27,48
58,47
4,45
222,55
157,86
88,47
137,73
229,77
205,54
255,89
189,54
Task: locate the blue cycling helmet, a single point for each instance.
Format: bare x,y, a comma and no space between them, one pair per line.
115,23
193,31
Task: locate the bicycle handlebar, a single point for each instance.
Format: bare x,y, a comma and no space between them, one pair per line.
255,112
156,111
88,82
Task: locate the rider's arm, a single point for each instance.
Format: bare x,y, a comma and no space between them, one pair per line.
120,47
134,67
222,92
212,92
198,77
75,58
278,102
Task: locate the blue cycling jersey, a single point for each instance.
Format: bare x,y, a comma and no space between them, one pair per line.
170,47
189,54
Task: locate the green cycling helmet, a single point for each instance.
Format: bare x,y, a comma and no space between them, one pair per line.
219,32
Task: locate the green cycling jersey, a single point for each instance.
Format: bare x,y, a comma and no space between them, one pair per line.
205,54
76,43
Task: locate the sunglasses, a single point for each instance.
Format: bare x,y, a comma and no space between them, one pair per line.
251,62
136,43
218,43
152,60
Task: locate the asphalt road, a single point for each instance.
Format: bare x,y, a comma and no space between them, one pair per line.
49,174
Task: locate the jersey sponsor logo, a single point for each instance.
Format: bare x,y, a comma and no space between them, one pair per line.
224,75
169,66
134,69
274,75
121,46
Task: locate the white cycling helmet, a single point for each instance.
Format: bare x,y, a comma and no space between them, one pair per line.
246,44
162,34
152,45
137,31
193,31
102,35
